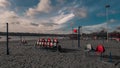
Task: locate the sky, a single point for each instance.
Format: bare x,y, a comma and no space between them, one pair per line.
59,16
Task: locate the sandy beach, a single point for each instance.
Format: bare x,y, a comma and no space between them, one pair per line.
27,56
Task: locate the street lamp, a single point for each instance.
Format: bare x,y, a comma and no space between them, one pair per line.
107,7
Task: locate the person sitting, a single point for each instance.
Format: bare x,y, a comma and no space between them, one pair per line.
24,42
89,48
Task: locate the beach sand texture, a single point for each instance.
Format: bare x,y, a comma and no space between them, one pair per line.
27,56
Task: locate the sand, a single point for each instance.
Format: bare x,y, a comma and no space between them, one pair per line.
27,56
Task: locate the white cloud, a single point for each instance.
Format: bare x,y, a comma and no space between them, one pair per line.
78,12
4,3
53,24
43,6
68,13
107,26
23,24
8,14
15,22
61,19
93,28
112,21
81,12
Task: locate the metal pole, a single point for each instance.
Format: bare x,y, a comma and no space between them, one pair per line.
101,56
79,36
7,51
110,57
72,33
72,36
107,6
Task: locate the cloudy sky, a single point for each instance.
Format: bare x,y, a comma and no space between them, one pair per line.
58,16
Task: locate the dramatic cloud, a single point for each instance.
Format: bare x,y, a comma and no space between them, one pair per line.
113,21
23,24
63,18
16,23
93,28
48,24
34,24
118,27
8,16
43,6
82,12
110,26
4,3
53,16
68,13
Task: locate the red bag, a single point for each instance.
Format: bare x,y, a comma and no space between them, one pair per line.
100,48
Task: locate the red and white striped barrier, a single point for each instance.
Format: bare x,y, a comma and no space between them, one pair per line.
47,43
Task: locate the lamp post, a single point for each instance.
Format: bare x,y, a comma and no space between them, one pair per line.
107,7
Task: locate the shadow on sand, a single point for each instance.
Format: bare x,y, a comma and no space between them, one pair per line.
62,50
113,57
67,50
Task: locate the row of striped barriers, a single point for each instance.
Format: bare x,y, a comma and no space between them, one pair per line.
47,43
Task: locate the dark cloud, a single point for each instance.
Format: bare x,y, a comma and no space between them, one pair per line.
15,22
48,24
34,24
14,17
118,27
